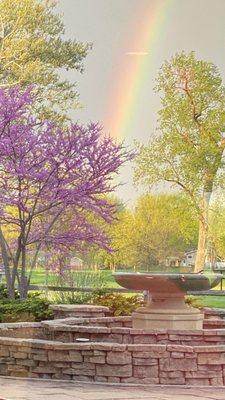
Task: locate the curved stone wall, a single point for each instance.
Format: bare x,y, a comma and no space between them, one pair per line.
125,356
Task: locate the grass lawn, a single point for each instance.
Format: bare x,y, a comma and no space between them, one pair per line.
208,301
80,278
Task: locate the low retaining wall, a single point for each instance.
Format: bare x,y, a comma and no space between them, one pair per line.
119,363
113,353
118,330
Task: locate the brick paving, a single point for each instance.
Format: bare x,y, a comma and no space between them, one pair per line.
30,389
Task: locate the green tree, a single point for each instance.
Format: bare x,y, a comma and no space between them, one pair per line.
33,50
217,227
164,226
188,151
160,226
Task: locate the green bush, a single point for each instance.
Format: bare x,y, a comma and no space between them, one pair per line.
33,309
118,304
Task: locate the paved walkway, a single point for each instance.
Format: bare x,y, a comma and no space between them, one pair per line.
21,389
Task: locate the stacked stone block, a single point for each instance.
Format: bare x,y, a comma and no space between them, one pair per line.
109,362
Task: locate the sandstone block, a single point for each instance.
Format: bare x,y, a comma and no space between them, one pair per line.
172,381
101,379
4,351
27,363
19,354
75,356
44,369
218,381
211,358
172,374
144,339
113,379
19,374
145,361
147,371
202,374
97,359
198,381
179,348
190,355
40,357
119,358
209,349
176,364
150,381
83,378
16,367
175,354
58,356
114,370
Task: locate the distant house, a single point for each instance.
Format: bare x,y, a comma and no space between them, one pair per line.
180,260
171,261
189,258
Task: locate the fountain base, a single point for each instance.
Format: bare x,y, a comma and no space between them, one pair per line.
167,311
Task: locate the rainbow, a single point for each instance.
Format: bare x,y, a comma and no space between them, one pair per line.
139,53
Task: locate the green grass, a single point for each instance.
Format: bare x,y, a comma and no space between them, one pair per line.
208,301
39,278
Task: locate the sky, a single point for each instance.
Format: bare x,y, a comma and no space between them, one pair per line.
131,39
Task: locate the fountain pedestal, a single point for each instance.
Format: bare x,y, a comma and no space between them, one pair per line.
166,311
167,308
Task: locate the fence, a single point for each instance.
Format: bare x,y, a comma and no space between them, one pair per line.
112,290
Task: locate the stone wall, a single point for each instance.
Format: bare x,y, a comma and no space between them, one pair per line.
118,330
119,363
115,353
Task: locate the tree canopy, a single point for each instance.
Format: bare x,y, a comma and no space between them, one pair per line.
33,50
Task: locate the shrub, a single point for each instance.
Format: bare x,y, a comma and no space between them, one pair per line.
33,309
119,304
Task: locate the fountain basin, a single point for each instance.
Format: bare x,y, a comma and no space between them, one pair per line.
167,308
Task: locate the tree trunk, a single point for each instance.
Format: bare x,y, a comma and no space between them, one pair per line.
23,287
9,281
203,233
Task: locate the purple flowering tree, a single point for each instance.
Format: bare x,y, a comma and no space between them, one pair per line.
53,182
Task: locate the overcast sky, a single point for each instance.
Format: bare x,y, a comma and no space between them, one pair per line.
188,25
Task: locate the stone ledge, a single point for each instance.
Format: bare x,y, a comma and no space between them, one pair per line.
78,307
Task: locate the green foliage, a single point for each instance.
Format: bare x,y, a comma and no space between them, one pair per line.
188,151
32,309
4,295
160,226
33,50
118,304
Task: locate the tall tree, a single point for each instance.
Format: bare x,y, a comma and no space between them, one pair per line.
33,50
189,149
46,174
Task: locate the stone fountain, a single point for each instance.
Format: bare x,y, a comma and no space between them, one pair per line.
167,308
